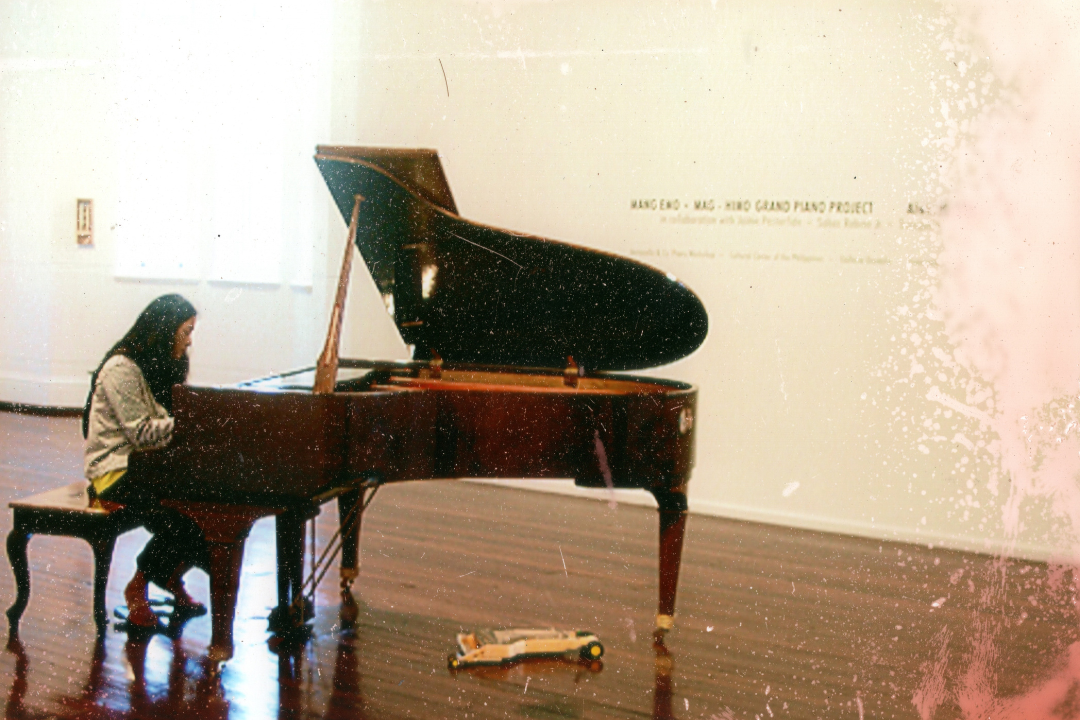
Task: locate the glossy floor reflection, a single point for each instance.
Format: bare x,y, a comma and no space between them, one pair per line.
772,622
160,678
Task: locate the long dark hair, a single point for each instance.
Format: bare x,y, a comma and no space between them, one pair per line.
149,344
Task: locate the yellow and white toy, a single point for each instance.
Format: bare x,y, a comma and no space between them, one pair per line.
495,647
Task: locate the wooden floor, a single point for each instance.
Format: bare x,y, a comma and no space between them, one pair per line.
771,622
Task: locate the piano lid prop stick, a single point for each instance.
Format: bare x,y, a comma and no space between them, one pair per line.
326,368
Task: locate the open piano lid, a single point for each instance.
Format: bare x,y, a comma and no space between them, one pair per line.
476,294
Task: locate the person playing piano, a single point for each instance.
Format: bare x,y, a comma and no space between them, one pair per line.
127,410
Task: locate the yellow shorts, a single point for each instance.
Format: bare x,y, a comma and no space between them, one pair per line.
106,481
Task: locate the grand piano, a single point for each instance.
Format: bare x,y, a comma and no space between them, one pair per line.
519,350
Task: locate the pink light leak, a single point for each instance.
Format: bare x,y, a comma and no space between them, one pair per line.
1053,699
1010,297
1010,291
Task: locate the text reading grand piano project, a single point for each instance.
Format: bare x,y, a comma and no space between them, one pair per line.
514,340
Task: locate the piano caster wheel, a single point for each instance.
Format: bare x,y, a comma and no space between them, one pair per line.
290,641
664,625
284,618
290,628
278,619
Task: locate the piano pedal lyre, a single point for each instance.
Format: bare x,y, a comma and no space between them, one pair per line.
346,540
289,621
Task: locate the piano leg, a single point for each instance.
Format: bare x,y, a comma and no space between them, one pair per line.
289,532
225,528
672,510
290,567
349,503
225,561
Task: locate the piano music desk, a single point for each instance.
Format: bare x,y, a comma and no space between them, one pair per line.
64,511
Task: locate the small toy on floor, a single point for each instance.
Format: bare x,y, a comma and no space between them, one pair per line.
496,647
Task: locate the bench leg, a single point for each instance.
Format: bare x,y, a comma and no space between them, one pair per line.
17,541
103,551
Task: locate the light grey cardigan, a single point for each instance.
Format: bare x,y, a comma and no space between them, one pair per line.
124,418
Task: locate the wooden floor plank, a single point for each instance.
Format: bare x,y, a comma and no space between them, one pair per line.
772,622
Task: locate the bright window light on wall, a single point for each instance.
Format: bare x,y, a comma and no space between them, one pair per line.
220,108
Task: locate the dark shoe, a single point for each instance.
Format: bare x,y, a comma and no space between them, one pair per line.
183,604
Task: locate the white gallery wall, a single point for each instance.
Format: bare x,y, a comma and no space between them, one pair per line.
787,161
192,130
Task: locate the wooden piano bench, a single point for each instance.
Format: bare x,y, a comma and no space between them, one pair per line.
64,511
